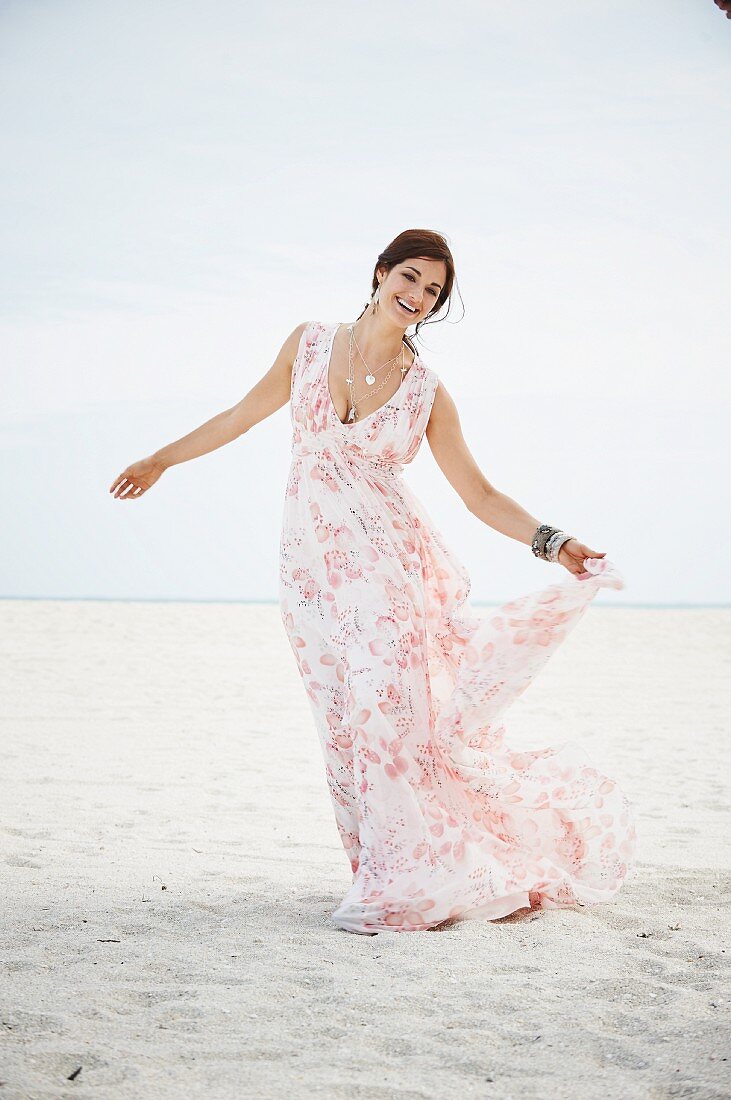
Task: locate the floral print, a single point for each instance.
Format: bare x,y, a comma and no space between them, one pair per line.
439,817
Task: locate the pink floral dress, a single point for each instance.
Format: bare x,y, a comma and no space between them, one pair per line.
439,817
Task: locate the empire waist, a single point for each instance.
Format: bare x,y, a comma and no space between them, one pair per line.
328,443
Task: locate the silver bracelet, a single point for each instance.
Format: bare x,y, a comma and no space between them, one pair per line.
547,542
554,545
540,538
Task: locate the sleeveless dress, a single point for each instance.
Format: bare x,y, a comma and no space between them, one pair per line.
439,817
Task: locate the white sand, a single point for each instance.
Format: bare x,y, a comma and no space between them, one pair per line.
170,861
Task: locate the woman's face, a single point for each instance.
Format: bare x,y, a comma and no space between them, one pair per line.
417,284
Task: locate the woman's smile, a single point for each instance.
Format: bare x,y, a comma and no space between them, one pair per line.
405,308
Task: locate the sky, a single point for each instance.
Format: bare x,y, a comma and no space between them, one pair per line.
184,183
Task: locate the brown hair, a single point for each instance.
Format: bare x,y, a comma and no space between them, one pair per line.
408,245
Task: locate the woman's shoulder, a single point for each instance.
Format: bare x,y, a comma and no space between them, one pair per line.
310,332
315,330
430,376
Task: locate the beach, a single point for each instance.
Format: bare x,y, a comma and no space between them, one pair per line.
170,861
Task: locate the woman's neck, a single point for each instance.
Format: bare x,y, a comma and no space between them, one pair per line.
378,340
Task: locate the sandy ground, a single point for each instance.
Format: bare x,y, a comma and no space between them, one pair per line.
170,861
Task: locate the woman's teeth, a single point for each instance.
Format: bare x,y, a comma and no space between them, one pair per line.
404,306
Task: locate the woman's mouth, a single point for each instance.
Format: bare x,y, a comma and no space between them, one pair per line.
405,308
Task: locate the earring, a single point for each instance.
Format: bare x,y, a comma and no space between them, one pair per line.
376,296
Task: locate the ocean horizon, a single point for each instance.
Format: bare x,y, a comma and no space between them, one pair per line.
475,603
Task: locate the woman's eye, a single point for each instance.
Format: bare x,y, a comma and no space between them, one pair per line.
411,279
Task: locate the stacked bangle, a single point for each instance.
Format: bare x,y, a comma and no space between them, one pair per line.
548,541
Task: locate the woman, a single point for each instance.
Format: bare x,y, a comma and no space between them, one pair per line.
441,820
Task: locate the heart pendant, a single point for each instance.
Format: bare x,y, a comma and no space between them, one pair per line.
370,379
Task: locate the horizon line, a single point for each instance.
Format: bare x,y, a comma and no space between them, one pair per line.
275,602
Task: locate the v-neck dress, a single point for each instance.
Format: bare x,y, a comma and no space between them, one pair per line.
440,818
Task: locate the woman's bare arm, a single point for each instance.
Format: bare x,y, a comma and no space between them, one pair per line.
501,512
270,393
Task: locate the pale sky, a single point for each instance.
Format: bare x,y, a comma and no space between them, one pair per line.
184,183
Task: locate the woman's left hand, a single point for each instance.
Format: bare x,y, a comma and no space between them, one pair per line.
572,555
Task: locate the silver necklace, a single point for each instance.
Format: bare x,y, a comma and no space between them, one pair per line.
353,414
370,375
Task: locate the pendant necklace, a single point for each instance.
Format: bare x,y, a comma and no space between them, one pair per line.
370,375
370,379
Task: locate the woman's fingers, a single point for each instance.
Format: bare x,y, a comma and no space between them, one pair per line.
592,553
121,484
127,489
136,479
575,556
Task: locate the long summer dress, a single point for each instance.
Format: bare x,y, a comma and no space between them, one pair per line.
440,818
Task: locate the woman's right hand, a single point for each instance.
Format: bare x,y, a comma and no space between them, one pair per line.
137,479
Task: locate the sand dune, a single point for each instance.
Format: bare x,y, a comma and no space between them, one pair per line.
170,861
